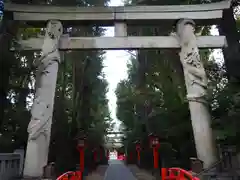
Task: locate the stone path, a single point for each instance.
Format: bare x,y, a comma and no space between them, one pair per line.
98,174
141,174
117,170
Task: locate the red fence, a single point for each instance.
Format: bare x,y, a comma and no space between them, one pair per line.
71,175
167,174
176,174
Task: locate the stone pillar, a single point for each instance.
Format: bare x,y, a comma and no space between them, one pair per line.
39,128
196,86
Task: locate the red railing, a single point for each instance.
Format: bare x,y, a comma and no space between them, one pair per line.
167,174
71,175
176,174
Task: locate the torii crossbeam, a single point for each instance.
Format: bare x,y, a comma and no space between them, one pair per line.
203,13
120,18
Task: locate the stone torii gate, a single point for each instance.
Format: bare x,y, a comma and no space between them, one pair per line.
120,17
114,139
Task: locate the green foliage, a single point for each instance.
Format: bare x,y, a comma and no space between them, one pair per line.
227,113
238,24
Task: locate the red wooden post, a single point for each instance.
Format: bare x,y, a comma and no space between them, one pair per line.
81,148
95,155
81,162
138,155
81,151
154,143
155,157
138,149
164,173
79,175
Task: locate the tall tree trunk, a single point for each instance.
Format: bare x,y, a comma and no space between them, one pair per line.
228,28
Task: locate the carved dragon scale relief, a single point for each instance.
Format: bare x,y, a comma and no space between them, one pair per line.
195,75
41,110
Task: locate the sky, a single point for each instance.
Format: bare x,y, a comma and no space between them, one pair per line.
115,69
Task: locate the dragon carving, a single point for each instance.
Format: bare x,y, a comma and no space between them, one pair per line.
195,75
43,104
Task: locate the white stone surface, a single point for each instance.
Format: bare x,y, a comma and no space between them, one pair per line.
111,14
196,85
39,128
118,43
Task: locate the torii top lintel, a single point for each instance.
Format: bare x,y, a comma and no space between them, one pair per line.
203,13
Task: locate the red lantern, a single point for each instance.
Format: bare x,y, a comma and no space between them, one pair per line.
154,141
138,147
81,143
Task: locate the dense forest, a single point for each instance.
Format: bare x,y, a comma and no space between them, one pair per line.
151,99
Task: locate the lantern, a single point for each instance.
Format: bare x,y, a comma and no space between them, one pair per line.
153,141
138,145
81,143
81,139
